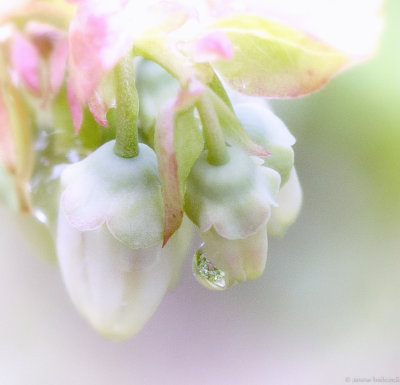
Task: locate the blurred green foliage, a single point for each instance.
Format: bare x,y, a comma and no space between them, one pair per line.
356,119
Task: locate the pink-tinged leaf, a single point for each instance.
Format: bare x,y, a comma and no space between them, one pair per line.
98,108
273,60
58,61
360,21
167,159
168,169
102,99
75,107
25,60
215,45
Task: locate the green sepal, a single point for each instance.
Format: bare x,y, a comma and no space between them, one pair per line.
188,143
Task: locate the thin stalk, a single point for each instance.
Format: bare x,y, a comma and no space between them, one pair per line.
127,109
214,139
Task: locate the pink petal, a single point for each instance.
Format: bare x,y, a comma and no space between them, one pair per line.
103,31
75,107
99,36
99,108
25,60
213,46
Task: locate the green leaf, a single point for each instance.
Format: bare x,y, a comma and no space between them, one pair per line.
188,143
273,60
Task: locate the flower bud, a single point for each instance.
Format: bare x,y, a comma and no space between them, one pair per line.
116,288
231,205
239,259
123,193
233,198
266,129
110,231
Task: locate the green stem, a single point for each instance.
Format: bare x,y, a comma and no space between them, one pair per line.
127,109
214,139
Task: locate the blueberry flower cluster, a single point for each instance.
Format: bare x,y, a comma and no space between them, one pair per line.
128,126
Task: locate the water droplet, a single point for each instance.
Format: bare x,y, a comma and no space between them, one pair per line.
52,154
207,274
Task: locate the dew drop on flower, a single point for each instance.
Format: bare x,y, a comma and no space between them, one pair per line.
207,274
